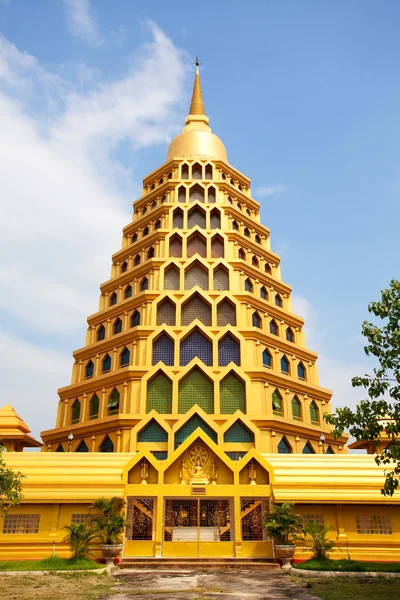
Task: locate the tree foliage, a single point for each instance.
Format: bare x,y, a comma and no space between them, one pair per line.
315,536
109,524
380,411
283,524
79,538
10,486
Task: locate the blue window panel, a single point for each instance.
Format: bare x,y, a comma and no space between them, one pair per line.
228,351
89,369
107,445
284,447
284,365
196,345
163,350
236,455
125,357
135,319
190,426
239,433
82,447
266,357
107,363
160,454
153,432
308,449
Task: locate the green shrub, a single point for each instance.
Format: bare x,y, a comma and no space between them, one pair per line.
79,538
315,536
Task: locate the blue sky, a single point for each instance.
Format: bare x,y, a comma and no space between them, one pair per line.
305,96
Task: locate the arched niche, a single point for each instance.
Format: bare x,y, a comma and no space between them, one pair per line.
134,474
262,475
175,471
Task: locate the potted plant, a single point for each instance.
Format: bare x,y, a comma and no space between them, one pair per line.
284,526
109,525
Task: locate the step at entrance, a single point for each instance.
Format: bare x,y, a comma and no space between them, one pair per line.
195,563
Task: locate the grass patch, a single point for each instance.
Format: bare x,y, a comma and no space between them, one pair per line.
348,566
56,586
50,564
345,588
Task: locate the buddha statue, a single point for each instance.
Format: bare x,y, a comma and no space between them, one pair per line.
198,474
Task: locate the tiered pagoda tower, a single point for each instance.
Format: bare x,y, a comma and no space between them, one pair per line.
195,327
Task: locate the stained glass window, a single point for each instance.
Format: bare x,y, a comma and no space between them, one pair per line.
232,394
196,244
159,394
238,432
228,350
153,432
172,278
196,216
196,345
187,429
163,350
196,388
166,311
196,274
226,313
221,279
196,308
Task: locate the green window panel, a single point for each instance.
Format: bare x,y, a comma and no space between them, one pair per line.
329,450
113,402
153,432
196,388
239,433
187,429
296,409
314,413
232,395
159,454
76,412
159,394
277,403
94,407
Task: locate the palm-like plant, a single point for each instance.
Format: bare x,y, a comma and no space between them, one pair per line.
79,538
315,536
283,524
110,523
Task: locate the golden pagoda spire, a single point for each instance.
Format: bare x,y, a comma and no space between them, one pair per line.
197,104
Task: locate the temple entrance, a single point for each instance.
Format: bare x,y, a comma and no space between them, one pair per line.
140,527
198,527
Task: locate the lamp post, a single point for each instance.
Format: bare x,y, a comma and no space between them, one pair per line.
322,440
70,438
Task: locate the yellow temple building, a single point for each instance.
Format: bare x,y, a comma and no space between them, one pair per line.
195,396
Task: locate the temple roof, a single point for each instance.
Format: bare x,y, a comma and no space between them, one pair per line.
13,427
197,139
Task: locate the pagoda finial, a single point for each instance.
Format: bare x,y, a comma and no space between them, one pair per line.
197,104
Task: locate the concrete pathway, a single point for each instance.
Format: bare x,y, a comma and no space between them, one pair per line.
207,585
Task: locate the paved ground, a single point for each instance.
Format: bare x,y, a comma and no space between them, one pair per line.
206,585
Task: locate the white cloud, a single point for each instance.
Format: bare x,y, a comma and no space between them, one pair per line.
81,21
65,194
264,191
30,378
